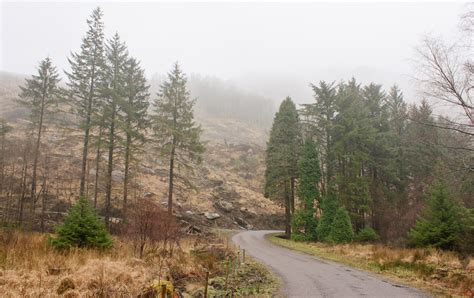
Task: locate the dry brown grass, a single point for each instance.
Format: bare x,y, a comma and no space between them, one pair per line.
31,268
440,272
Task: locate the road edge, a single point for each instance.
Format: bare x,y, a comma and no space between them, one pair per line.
390,278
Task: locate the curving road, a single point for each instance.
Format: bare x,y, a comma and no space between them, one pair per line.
303,275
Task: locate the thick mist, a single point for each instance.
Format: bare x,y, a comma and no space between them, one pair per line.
272,49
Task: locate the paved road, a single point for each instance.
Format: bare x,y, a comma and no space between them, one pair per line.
303,275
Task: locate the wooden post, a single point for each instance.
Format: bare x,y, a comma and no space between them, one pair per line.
243,256
235,266
163,291
207,283
227,268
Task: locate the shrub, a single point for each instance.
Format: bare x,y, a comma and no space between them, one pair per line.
367,235
328,207
341,228
439,225
150,228
81,228
304,226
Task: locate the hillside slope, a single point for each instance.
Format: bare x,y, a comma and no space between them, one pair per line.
227,183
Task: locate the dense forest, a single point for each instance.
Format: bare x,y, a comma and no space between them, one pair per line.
367,165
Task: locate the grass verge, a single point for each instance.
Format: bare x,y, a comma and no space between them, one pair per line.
438,272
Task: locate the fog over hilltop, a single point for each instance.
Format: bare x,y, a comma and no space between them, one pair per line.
272,49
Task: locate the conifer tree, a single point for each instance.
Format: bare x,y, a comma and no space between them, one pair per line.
320,118
175,130
81,228
341,227
135,109
329,207
84,80
308,191
113,93
439,225
282,157
40,94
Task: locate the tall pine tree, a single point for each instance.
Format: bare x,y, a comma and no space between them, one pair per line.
40,94
308,188
282,158
135,109
84,81
114,95
176,132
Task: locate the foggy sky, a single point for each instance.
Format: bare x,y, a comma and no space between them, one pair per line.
274,49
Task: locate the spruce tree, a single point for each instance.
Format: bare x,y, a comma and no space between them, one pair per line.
175,130
439,225
329,207
84,80
341,227
282,157
113,93
135,109
40,94
320,117
81,228
308,191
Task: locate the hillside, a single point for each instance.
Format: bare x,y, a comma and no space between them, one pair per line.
228,182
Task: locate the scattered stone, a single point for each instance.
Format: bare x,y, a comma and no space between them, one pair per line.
161,172
189,212
148,195
211,215
224,205
242,223
118,176
147,170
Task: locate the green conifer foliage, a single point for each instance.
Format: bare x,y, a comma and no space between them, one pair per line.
439,225
81,228
282,156
309,178
329,207
176,132
341,228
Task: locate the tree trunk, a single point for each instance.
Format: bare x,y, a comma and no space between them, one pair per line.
84,154
85,148
292,195
170,188
108,192
97,165
36,155
21,198
127,168
287,212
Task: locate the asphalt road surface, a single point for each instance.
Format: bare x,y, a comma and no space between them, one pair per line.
303,275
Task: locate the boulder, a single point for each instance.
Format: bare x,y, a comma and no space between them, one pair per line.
242,223
118,176
211,215
147,170
224,206
148,195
